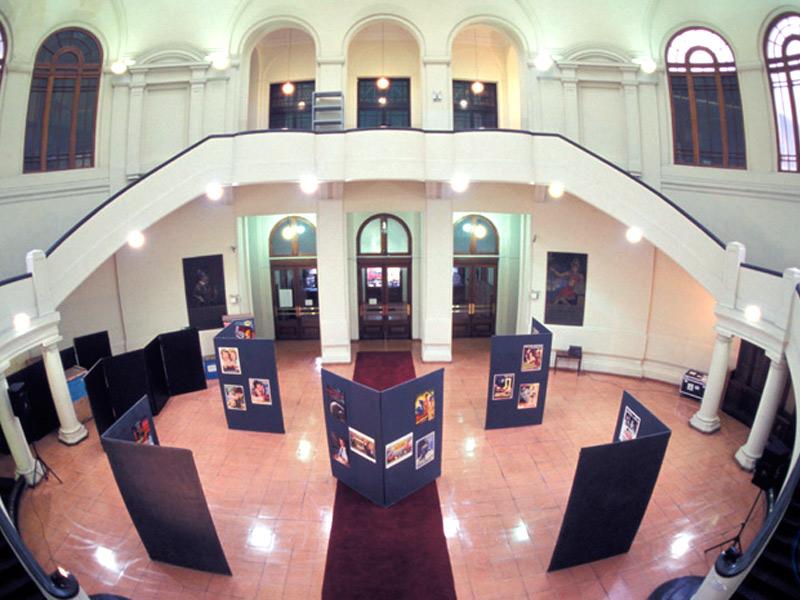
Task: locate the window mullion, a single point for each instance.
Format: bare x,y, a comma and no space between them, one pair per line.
723,118
48,97
693,116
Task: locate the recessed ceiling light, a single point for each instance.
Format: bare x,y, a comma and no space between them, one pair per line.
555,189
136,239
634,235
459,183
309,184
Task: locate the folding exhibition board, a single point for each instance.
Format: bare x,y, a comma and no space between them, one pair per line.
99,397
612,488
183,361
384,445
248,382
91,348
518,374
163,494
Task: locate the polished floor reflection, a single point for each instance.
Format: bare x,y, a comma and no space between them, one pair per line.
503,492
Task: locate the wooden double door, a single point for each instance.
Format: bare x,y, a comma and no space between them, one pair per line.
384,299
474,297
295,300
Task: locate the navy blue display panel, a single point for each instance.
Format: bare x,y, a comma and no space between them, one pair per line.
352,415
412,415
183,361
634,420
136,425
156,379
518,374
610,493
164,497
91,348
128,380
248,382
99,396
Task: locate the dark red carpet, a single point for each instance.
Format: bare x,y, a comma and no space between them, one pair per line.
397,552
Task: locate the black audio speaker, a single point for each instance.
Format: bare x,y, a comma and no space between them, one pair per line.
771,467
20,403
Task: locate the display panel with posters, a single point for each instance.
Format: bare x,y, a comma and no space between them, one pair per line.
204,285
566,288
518,374
248,379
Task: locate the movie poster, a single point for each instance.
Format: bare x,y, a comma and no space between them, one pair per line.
143,433
339,449
260,392
425,407
503,386
426,449
532,357
528,395
229,361
362,444
399,450
204,284
630,425
566,288
337,406
234,397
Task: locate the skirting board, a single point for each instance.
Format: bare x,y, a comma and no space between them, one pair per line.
630,367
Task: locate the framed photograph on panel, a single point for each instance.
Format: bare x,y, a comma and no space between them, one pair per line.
204,283
566,288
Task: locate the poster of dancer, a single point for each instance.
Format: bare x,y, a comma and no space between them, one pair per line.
204,285
566,288
425,407
339,449
532,357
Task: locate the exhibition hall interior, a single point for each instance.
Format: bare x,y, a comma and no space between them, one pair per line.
399,300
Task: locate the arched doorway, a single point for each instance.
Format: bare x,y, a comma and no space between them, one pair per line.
476,247
293,267
383,248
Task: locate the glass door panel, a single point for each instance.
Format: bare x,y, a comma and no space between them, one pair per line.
295,301
384,301
474,298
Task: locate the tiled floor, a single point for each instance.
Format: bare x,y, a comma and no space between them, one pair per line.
503,492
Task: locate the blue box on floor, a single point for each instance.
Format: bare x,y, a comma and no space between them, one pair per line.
210,367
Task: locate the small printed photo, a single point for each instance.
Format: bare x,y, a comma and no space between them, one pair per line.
399,450
260,392
426,449
234,397
425,407
338,411
339,449
503,386
630,425
361,444
335,394
244,332
142,432
532,357
229,361
528,395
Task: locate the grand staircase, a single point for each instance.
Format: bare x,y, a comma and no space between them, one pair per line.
15,583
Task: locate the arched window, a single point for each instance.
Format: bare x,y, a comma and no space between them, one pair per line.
707,122
3,46
475,234
293,236
782,49
383,235
62,107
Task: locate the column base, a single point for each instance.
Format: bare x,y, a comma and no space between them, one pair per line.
34,475
746,462
336,354
704,424
437,352
70,438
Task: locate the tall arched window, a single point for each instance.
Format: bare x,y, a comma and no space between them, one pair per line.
782,49
62,107
475,234
3,46
293,236
384,235
708,128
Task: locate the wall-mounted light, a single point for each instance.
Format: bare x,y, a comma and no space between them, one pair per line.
219,60
119,67
752,313
646,64
22,322
136,239
459,182
309,184
436,96
555,189
634,235
543,61
214,190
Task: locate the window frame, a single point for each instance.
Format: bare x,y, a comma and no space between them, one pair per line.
771,67
689,71
292,220
51,72
473,111
4,41
382,110
384,252
473,242
273,112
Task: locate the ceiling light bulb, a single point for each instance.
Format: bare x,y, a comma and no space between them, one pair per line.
119,67
214,191
648,65
309,184
288,232
555,189
752,313
459,182
22,322
287,88
382,100
477,87
543,61
382,83
463,104
480,231
136,239
634,235
301,105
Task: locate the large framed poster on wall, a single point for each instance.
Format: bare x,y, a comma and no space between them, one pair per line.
204,283
566,288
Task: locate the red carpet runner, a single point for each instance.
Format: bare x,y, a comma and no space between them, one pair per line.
397,552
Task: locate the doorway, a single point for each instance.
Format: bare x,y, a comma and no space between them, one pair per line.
383,246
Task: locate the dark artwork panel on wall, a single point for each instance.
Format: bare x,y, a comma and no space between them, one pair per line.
566,288
91,348
204,283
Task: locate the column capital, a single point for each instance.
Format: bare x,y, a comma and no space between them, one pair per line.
723,337
51,341
776,361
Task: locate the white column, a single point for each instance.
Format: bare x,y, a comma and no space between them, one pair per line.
26,465
334,317
133,168
572,115
707,418
437,94
768,406
196,101
630,87
437,277
71,430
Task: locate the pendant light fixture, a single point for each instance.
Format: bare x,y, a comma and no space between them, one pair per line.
288,87
477,85
383,81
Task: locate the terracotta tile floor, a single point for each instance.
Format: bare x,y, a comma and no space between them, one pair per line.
503,492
